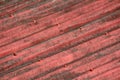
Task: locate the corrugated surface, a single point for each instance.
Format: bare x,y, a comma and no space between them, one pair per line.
59,39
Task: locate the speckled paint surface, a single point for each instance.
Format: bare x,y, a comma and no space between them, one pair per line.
59,39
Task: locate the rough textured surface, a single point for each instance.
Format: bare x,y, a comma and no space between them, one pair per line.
59,39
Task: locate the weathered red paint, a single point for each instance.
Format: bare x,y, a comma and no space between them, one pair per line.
60,40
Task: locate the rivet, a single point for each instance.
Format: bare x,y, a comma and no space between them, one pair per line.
80,28
11,15
106,33
34,21
91,70
65,66
14,54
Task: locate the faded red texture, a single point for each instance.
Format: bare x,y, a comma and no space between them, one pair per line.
60,40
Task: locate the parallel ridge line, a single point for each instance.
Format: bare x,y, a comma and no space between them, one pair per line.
109,74
32,28
49,32
79,37
21,8
106,52
107,67
35,13
11,4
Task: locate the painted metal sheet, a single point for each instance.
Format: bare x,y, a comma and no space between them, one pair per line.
60,40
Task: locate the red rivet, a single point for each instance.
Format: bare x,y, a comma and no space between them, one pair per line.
106,33
80,28
34,21
91,70
14,54
65,66
11,15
